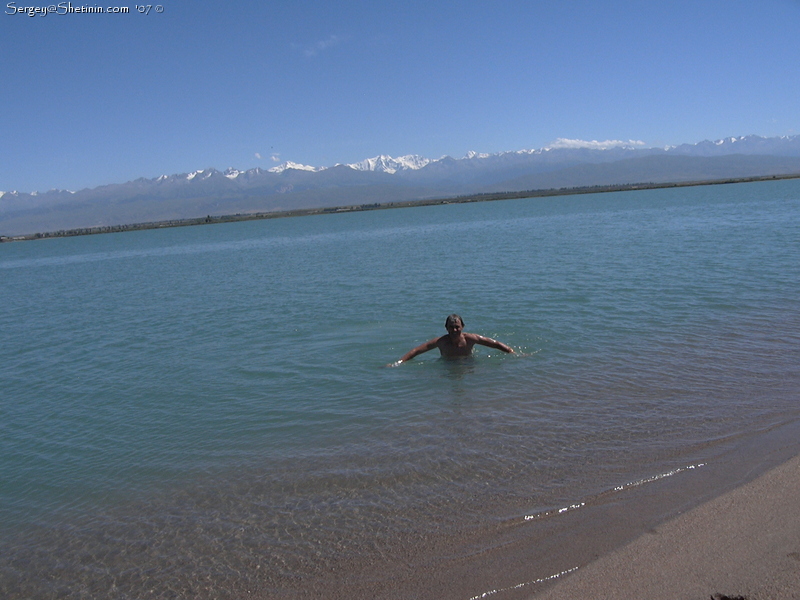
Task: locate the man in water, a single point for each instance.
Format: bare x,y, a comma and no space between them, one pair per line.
457,343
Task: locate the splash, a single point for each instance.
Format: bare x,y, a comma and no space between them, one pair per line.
522,585
634,484
619,488
559,511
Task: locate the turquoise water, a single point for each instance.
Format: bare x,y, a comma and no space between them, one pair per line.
199,411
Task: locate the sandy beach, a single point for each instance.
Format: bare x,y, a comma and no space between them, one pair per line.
745,544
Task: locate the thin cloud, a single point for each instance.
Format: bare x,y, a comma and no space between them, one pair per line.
322,45
594,144
258,155
275,157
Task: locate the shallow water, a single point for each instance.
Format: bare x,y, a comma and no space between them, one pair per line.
205,411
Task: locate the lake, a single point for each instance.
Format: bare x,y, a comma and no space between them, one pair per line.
206,411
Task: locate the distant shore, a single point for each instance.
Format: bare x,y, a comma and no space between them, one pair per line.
485,197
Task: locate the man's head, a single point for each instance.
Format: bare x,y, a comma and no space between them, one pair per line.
454,321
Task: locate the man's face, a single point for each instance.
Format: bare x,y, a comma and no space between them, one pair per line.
454,328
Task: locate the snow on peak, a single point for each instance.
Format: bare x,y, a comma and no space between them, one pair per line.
730,140
473,154
206,173
387,164
594,144
292,165
162,178
232,173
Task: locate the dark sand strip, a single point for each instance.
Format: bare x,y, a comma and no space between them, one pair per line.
745,543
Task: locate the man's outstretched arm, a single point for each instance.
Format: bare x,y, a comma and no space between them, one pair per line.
429,345
486,341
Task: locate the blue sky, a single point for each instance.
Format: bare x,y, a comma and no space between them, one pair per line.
92,99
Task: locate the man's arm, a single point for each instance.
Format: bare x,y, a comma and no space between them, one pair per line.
429,345
485,341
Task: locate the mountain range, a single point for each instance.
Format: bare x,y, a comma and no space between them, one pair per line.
382,179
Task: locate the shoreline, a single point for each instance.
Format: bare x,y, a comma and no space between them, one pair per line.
742,544
599,551
484,197
563,555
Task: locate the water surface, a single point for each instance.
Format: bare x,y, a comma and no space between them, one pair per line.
205,411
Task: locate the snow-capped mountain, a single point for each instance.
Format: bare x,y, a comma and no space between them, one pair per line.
561,143
387,164
296,166
562,164
749,145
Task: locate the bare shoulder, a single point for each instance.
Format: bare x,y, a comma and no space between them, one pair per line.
487,341
474,337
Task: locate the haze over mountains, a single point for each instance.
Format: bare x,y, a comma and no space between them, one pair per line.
290,186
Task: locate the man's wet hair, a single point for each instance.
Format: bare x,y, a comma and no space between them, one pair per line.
453,319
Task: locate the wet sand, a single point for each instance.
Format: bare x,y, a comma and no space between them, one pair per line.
745,543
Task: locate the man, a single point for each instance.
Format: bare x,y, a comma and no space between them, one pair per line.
457,343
